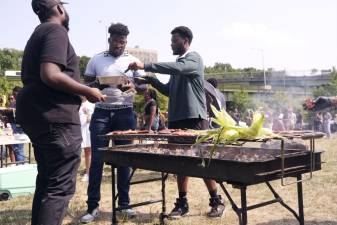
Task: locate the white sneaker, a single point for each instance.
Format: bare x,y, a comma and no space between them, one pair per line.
129,213
85,178
89,217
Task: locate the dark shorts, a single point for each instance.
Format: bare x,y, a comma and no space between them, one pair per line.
194,124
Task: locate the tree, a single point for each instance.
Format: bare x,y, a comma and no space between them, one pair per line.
6,86
10,59
83,61
162,101
219,68
241,100
328,89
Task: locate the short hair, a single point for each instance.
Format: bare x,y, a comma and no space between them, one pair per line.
213,82
184,32
118,29
16,89
152,93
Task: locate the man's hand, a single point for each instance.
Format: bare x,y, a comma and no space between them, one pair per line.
136,66
128,85
95,95
144,80
318,104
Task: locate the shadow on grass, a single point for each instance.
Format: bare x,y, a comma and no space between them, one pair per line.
140,218
15,216
295,222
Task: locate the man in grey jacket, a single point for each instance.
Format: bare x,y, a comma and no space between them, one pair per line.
187,105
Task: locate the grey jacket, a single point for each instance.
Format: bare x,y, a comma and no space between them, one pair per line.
185,88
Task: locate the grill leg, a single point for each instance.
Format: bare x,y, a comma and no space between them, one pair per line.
234,206
243,190
163,215
300,200
7,154
1,152
113,182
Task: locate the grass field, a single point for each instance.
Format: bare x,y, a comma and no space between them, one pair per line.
320,200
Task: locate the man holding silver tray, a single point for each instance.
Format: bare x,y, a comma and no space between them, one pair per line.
116,113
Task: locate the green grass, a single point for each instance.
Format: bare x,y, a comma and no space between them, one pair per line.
320,200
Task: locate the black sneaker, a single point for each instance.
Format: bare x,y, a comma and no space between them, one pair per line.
180,209
218,207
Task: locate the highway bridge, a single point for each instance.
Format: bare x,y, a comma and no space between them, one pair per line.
275,82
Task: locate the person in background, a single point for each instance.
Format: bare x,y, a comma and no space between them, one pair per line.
151,111
47,110
86,110
248,117
326,123
5,130
320,103
286,119
116,113
236,115
299,121
3,101
187,105
292,118
318,122
213,97
18,149
268,122
277,121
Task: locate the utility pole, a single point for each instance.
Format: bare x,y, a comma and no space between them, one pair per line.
264,71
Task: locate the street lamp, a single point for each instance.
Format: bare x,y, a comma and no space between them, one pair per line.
264,71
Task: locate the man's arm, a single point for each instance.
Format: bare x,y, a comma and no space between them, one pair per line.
184,66
52,76
188,65
162,88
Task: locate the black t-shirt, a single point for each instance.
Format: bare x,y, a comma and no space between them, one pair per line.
38,102
148,106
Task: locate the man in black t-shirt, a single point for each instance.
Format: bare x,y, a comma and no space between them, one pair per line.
47,110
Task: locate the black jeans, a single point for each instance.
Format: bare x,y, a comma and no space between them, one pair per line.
57,153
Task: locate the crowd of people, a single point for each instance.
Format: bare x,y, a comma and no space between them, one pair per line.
277,120
287,120
323,122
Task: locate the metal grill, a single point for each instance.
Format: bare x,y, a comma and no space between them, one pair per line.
236,165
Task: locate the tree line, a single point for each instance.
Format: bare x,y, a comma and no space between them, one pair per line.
10,59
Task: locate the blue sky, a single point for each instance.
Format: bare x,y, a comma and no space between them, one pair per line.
294,34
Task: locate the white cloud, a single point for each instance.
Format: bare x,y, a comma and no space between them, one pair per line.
259,33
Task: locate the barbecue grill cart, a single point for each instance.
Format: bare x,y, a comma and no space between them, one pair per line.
236,165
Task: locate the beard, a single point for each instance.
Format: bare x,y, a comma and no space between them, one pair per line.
116,52
66,21
178,50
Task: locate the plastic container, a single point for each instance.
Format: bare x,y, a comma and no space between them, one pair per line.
18,180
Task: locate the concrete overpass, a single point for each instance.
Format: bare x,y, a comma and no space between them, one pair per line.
276,82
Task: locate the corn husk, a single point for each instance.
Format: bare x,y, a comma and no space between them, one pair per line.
229,133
